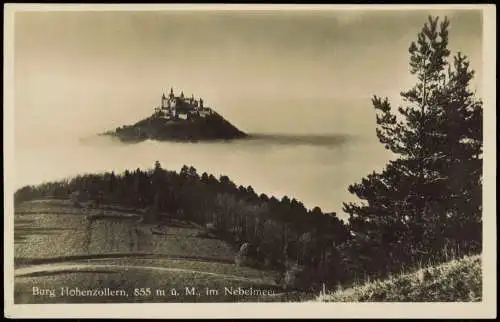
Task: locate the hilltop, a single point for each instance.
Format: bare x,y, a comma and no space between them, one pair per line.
179,119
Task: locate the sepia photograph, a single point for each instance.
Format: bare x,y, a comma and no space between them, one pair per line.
325,156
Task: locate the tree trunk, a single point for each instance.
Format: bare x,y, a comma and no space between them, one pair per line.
420,211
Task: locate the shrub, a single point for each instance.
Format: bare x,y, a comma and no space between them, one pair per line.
76,199
243,256
211,228
293,277
208,232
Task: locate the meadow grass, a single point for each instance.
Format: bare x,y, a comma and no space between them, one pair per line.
458,280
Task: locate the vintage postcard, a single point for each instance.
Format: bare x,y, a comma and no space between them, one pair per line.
249,161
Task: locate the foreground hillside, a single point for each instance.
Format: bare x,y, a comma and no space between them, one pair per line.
454,281
59,246
109,222
271,234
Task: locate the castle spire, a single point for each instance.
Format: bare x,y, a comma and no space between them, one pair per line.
163,99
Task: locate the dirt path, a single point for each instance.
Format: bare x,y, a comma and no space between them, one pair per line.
65,267
114,256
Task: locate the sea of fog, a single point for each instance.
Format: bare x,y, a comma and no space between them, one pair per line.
313,164
315,169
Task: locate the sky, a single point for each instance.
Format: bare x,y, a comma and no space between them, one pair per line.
81,72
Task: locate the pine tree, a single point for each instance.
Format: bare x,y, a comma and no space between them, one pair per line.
431,194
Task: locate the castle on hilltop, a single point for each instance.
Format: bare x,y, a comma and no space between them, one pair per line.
178,107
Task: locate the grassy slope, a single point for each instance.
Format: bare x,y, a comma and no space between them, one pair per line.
41,224
454,281
53,234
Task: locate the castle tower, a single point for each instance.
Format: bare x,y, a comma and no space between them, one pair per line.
163,101
201,102
182,94
171,92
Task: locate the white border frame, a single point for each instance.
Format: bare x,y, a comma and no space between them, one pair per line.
485,309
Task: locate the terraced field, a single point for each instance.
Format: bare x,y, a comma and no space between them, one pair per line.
65,254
